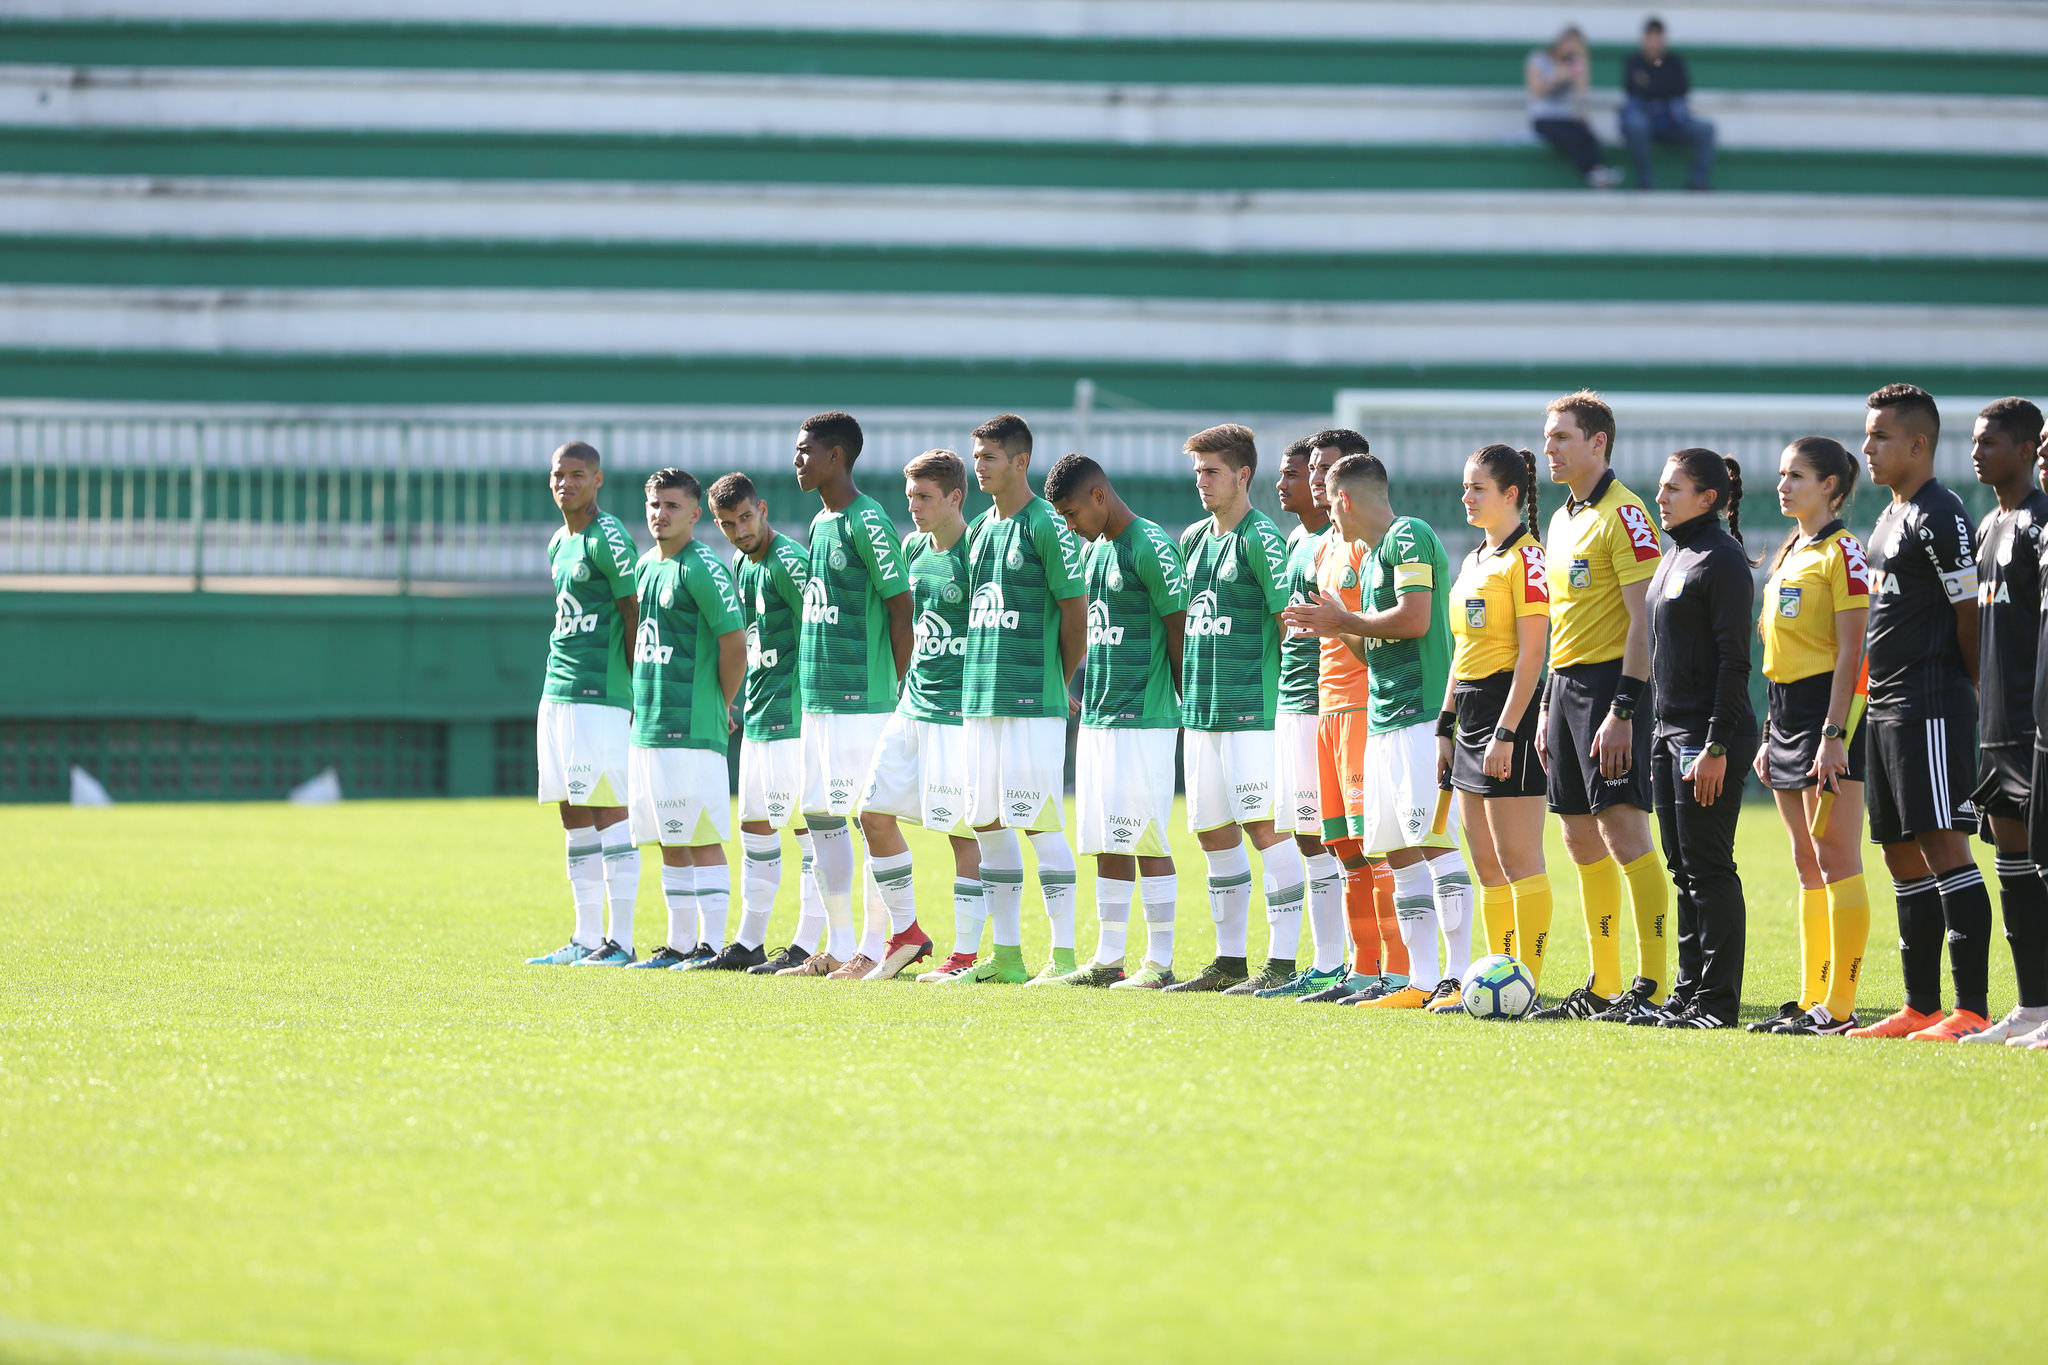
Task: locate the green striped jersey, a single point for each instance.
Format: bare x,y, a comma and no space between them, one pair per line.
686,603
1023,565
1134,580
938,601
1230,663
1406,678
848,667
772,604
592,569
1301,655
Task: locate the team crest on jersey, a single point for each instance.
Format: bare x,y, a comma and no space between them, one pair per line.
1350,578
837,559
1227,570
1675,588
1116,579
581,572
1580,575
1475,613
950,593
668,597
1788,600
1015,559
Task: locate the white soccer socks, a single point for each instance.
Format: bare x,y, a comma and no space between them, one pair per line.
1230,897
1159,895
714,903
586,885
621,879
1284,881
810,919
1326,921
1415,905
760,880
1452,885
970,912
1056,883
899,891
874,917
1002,885
834,867
1112,918
679,893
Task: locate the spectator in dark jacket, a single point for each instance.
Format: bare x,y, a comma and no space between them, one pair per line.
1654,85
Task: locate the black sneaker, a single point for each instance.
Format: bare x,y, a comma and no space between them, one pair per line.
1277,972
699,956
1809,1025
1580,1004
1695,1016
663,958
1630,1003
1218,976
1788,1013
732,958
1333,995
792,956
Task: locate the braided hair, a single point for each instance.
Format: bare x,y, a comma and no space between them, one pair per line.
1720,475
1511,468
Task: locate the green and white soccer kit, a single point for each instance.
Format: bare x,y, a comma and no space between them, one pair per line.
677,765
1013,685
919,772
771,597
1406,682
847,673
1130,713
586,707
1230,668
1297,799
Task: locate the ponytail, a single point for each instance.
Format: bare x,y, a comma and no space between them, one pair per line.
1825,458
1511,468
1720,475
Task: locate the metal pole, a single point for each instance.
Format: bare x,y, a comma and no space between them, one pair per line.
199,507
1084,409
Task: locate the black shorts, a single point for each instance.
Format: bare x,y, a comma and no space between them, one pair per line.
2005,778
1478,704
1917,771
1579,700
1792,738
2037,812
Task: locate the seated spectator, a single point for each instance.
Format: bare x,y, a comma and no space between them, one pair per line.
1654,85
1557,77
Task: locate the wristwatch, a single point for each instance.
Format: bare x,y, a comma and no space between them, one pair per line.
1833,731
1717,751
1503,734
1623,713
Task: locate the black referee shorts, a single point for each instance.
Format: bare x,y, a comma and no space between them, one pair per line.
1478,703
1917,772
1797,711
1579,700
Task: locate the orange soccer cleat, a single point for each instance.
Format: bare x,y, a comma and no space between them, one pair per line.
1906,1022
1953,1029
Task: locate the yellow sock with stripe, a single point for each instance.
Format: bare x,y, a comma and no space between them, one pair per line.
1649,900
1848,931
1600,902
1813,946
1497,918
1532,921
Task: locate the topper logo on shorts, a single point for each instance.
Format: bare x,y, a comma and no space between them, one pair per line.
1100,631
1202,618
647,645
986,611
1641,536
817,610
570,618
935,637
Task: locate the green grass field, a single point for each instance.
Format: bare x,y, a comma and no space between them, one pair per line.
274,1086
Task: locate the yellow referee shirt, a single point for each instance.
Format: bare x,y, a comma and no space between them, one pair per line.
1821,575
1597,548
1496,588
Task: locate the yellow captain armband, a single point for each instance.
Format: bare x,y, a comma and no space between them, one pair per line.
1410,576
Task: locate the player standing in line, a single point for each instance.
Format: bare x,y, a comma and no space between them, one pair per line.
1405,633
689,659
2008,637
586,709
1343,692
1922,645
769,576
1230,676
1602,550
1130,711
2037,814
918,765
856,645
1486,736
1816,602
1027,634
1297,805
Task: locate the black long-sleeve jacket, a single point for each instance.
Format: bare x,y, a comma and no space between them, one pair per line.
1702,601
1644,79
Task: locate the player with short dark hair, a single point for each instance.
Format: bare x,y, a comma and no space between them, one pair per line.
1922,649
586,708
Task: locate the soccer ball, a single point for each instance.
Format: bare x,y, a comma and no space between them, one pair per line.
1498,987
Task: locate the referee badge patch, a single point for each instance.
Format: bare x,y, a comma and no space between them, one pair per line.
1581,573
1788,600
1475,613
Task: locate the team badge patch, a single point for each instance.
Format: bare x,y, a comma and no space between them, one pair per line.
1475,613
1675,588
1015,559
668,597
951,592
1116,579
1788,600
1227,570
581,573
1581,573
838,559
1350,579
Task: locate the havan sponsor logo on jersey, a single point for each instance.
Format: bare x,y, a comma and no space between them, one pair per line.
817,610
570,618
1167,555
1100,631
986,611
647,645
877,532
935,638
1202,616
1642,537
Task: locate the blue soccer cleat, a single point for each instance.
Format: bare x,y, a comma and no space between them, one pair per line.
563,956
609,954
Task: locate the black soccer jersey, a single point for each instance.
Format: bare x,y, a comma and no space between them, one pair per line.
2009,619
1923,560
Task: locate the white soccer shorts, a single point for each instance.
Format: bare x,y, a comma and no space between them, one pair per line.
679,797
1401,792
582,749
919,773
1229,777
1297,802
837,752
772,781
1123,791
1016,771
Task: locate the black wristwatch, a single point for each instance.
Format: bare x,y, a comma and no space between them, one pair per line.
1503,734
1833,731
1717,751
1623,713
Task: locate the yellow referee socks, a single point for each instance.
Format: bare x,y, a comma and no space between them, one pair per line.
1532,922
1813,946
1600,899
1649,899
1497,918
1848,930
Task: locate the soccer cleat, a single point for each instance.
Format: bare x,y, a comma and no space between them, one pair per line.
1057,968
1630,1003
1953,1029
2018,1022
820,963
1004,967
731,958
854,968
608,954
1352,983
1692,1016
1817,1023
955,968
1447,998
1409,997
792,956
1149,978
2039,1035
1215,978
1907,1020
1274,976
699,956
563,956
1305,983
1788,1014
1580,1004
912,945
1095,974
662,958
1374,988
